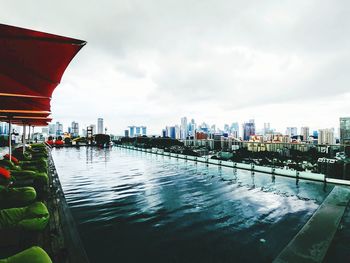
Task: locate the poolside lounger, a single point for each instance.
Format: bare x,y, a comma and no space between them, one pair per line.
33,217
16,196
31,255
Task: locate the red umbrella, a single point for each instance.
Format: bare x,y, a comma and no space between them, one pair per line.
31,66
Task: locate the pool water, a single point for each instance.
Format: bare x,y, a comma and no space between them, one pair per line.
132,206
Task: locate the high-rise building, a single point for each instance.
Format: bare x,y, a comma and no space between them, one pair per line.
93,127
52,129
183,128
192,128
45,131
164,133
345,130
75,129
135,131
226,128
305,132
326,136
177,132
248,129
100,126
169,131
126,133
138,131
292,131
131,131
267,128
58,129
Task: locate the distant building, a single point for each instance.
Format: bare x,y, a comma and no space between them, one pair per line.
192,128
135,131
126,133
52,129
100,126
305,132
326,136
248,129
93,128
58,129
183,128
267,128
177,132
45,131
75,129
345,130
164,133
292,131
234,129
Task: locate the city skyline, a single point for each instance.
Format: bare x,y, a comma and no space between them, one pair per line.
282,63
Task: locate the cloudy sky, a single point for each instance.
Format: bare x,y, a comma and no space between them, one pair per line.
150,62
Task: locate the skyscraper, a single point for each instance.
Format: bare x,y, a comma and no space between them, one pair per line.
305,132
267,128
52,129
75,129
100,126
248,130
183,128
137,131
93,127
58,129
326,136
192,128
143,130
345,130
292,131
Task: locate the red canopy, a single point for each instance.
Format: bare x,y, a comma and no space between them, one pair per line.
31,66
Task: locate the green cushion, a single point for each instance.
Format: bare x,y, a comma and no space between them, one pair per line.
42,177
16,196
31,255
33,217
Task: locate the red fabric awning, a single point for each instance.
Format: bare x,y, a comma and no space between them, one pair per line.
31,66
33,62
25,103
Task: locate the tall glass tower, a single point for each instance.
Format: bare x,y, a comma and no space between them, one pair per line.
345,130
100,126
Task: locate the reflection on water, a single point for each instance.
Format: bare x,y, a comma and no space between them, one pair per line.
133,206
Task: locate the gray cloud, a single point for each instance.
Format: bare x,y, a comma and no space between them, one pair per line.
153,61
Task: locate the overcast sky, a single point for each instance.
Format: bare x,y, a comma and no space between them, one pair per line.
219,61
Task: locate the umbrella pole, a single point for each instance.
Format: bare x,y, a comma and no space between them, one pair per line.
10,139
24,137
29,133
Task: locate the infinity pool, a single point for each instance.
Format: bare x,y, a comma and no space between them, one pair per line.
132,206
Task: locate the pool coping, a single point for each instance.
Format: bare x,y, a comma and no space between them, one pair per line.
65,221
311,243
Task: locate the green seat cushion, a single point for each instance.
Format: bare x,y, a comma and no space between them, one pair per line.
16,196
9,165
31,255
41,177
32,217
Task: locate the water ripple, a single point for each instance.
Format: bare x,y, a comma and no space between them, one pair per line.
142,207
